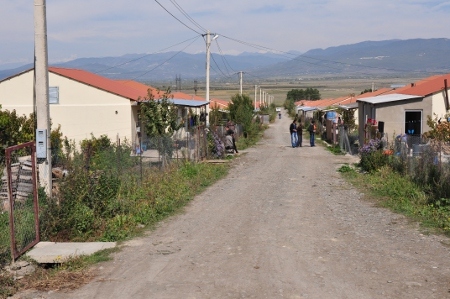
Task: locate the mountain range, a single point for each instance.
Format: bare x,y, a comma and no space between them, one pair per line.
364,59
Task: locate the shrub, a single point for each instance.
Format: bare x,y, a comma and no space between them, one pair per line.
215,145
372,157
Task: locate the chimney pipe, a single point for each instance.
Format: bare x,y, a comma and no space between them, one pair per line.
447,104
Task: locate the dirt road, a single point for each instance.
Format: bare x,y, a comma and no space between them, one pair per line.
283,224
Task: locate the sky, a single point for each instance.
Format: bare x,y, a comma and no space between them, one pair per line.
99,28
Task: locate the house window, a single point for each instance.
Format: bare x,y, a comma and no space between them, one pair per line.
413,122
53,95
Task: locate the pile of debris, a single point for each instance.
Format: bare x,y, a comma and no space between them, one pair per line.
21,182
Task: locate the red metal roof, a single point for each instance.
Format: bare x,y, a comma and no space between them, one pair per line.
221,104
99,82
158,93
142,88
425,87
374,93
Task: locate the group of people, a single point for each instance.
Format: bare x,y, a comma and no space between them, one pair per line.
296,131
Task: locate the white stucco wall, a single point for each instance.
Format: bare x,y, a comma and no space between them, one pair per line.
82,109
438,108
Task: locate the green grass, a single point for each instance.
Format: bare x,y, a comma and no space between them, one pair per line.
111,204
396,192
335,149
137,205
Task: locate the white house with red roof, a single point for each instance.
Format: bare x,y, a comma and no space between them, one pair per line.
81,102
404,110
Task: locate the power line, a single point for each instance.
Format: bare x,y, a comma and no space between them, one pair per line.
186,15
136,59
225,62
228,76
176,18
165,60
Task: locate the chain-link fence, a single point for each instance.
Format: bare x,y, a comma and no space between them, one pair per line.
348,140
425,161
195,144
19,199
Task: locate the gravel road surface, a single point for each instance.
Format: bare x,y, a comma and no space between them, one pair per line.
282,224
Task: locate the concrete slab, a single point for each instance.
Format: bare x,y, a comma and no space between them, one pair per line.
51,252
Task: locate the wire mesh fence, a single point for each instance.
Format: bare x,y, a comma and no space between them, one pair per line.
348,140
196,144
425,161
93,169
19,199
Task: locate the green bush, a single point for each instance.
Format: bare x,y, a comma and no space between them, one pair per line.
105,204
5,253
372,157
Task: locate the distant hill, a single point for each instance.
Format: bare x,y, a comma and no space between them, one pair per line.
166,66
365,59
370,58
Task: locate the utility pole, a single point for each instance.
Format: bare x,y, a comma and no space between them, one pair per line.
240,82
41,90
208,53
255,95
260,91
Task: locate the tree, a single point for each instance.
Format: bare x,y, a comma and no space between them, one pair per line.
215,115
440,131
241,111
15,129
366,90
312,94
159,118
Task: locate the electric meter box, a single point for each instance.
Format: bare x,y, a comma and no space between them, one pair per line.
41,144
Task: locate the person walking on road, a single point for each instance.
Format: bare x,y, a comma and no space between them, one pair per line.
312,133
293,131
299,134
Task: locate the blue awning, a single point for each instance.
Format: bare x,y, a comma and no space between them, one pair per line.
306,108
188,103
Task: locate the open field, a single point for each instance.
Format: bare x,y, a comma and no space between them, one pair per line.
328,88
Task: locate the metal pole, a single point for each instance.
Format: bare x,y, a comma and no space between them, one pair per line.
208,44
41,89
240,82
260,91
255,96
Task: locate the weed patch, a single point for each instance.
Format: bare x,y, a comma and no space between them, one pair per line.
398,193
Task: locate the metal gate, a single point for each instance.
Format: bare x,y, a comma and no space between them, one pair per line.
23,198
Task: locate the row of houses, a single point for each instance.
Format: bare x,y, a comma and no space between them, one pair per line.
393,111
84,103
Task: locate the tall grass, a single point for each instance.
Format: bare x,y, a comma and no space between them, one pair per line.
102,206
400,194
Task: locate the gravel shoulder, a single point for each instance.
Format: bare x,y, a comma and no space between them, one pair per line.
282,224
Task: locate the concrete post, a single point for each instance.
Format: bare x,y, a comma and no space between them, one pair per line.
41,89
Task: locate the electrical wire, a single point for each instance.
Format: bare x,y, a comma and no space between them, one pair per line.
224,60
228,76
174,2
176,18
166,60
136,59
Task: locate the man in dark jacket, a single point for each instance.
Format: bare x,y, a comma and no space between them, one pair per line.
293,131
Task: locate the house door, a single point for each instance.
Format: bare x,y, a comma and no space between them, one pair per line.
413,123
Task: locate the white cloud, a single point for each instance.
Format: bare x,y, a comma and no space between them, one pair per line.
115,27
